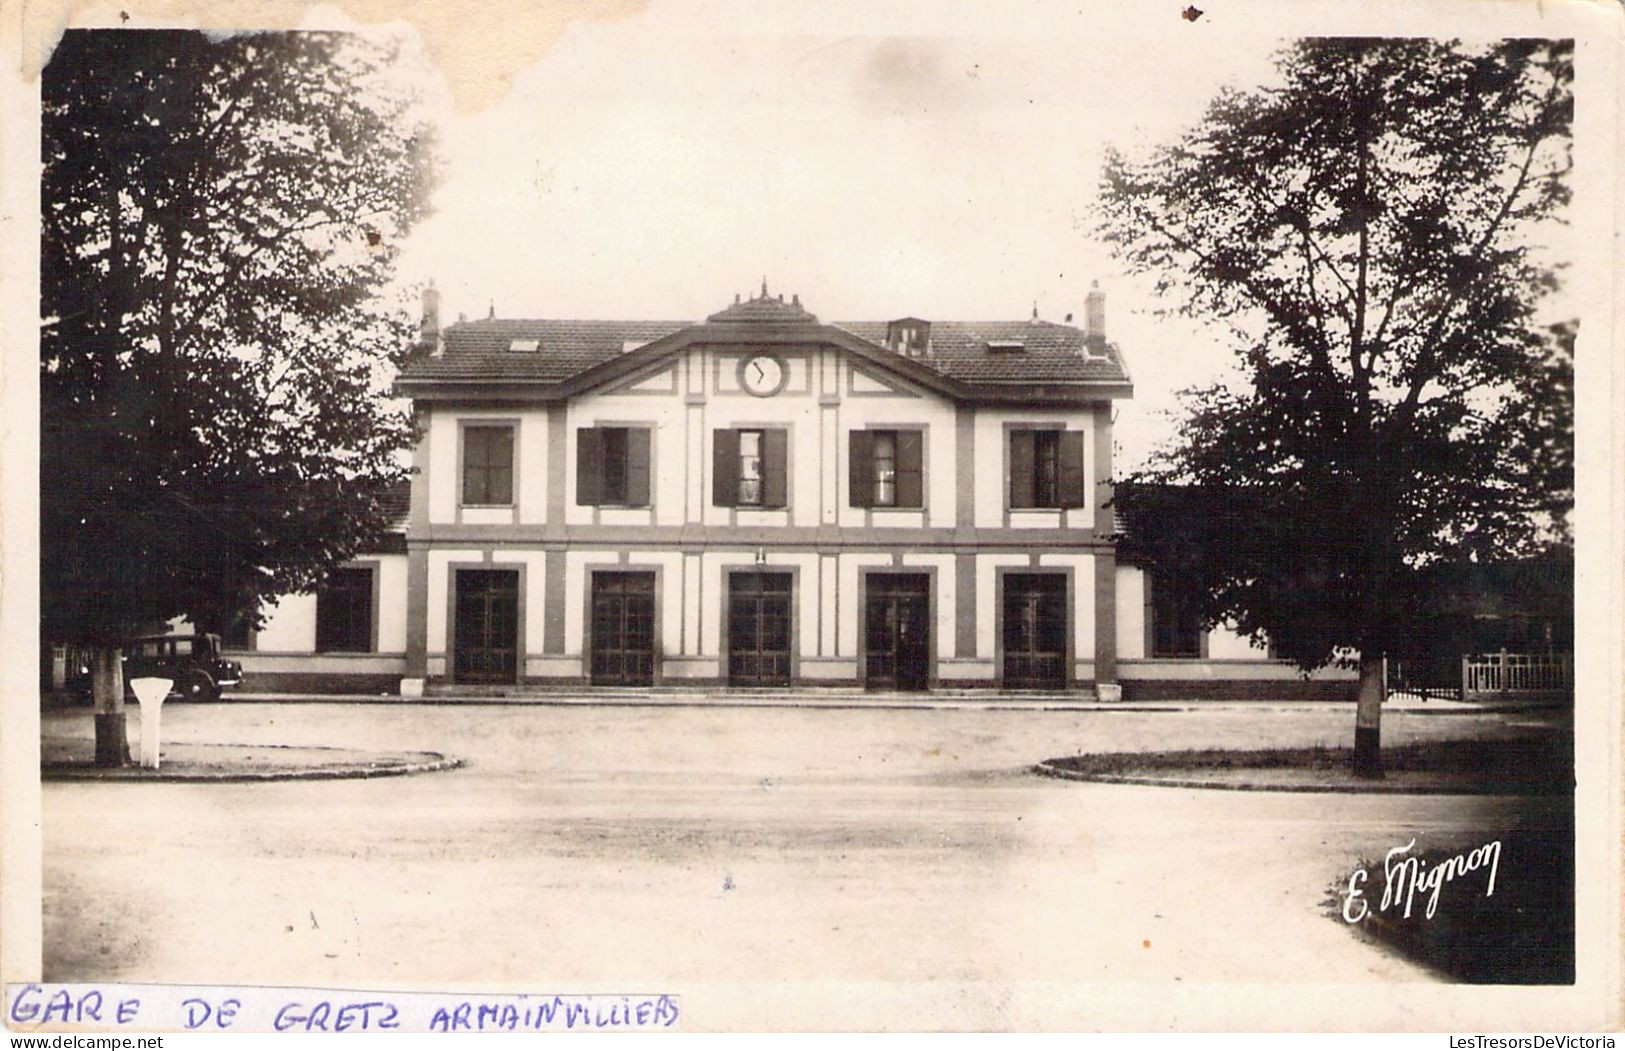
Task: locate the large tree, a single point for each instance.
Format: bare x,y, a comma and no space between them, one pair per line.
1371,234
220,216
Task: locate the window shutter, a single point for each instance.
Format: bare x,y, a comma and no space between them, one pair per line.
472,489
725,468
589,466
1148,585
860,469
499,482
910,469
1073,489
775,464
1021,468
637,467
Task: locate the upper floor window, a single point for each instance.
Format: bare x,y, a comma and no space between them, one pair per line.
344,612
1174,618
1046,469
488,465
612,466
884,444
749,467
887,469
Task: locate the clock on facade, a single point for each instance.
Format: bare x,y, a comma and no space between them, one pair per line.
762,375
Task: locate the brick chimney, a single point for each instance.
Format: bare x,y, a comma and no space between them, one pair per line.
429,329
1094,312
1096,320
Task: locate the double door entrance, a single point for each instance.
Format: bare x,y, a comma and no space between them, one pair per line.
897,631
623,629
759,629
1035,630
485,645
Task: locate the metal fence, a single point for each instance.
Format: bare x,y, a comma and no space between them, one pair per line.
1426,681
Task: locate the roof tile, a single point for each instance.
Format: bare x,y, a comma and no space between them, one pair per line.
479,350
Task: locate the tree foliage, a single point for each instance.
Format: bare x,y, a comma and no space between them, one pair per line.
1370,229
219,217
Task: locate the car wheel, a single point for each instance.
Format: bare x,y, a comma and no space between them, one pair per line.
196,685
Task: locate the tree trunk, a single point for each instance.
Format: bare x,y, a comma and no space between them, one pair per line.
1368,718
107,690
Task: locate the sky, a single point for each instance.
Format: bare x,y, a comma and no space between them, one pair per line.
655,166
879,161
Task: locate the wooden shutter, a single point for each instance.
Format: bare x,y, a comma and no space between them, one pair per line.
860,469
589,466
1021,468
775,465
499,467
637,467
725,468
910,469
1072,487
1148,586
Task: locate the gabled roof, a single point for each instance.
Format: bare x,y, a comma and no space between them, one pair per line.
1054,363
481,349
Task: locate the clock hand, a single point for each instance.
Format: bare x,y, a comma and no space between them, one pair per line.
757,365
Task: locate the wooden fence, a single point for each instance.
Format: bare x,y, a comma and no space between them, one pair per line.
1489,675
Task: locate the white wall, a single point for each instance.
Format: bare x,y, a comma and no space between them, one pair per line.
1083,601
827,395
658,406
987,597
391,611
992,483
669,597
865,403
290,625
530,466
947,600
439,593
1223,643
1130,613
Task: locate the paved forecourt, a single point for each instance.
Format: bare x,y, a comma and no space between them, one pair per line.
621,847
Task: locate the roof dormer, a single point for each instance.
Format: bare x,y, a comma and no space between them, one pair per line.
909,336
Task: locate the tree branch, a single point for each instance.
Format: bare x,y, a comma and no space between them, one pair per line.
1428,352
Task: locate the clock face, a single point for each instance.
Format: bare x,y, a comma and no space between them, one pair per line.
762,375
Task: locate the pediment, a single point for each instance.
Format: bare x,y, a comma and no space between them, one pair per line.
866,370
661,380
868,382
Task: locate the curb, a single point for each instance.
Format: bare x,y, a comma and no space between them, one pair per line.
1047,768
425,763
923,703
832,704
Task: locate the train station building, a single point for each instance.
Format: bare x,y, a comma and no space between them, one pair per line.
761,500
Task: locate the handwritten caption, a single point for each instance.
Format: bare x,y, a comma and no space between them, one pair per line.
264,1009
1404,873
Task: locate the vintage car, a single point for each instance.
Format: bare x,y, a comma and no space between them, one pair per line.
192,662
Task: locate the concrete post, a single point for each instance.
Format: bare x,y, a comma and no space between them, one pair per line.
150,693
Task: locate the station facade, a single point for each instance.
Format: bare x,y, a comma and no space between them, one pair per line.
760,500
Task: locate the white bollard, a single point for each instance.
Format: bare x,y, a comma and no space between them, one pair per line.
150,692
